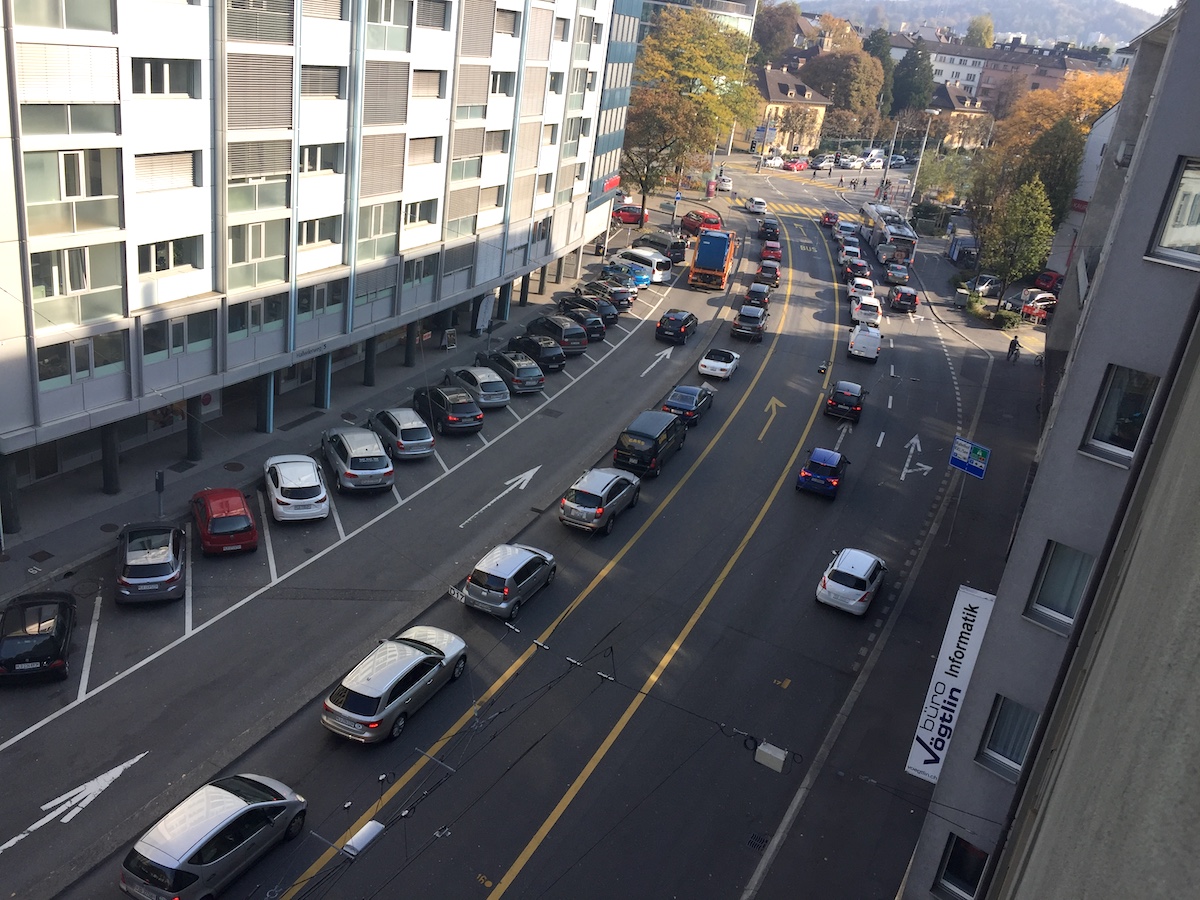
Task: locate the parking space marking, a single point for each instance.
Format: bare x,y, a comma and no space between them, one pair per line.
337,520
91,647
187,581
266,534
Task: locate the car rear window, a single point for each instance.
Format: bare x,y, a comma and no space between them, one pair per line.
822,469
368,462
843,397
486,580
303,492
492,387
527,372
150,570
420,433
463,409
28,621
585,499
630,441
847,580
353,702
152,873
229,524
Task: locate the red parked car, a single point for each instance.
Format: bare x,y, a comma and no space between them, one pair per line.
829,219
1049,281
795,165
224,521
630,215
772,250
700,219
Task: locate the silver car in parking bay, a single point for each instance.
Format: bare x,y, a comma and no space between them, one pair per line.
596,498
404,433
374,700
485,386
357,459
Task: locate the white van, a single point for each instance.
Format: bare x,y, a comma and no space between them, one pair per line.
865,342
660,266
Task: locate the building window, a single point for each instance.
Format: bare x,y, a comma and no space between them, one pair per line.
87,15
571,132
422,212
1006,742
549,135
961,868
321,158
77,285
546,183
326,230
560,29
321,81
433,14
74,361
556,82
422,151
428,83
466,169
492,196
171,256
508,22
541,230
420,271
378,229
166,77
388,23
1058,589
166,171
258,192
68,191
69,118
319,300
1120,414
504,83
495,142
938,73
461,227
970,76
597,32
470,111
1179,229
257,253
189,334
256,316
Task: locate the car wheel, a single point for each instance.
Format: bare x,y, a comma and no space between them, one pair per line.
254,549
636,496
683,338
550,577
295,826
397,726
514,612
609,525
437,426
337,484
63,673
459,668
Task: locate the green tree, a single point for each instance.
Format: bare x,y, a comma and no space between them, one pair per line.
913,83
1054,158
981,32
878,44
701,61
850,78
659,137
1016,240
774,30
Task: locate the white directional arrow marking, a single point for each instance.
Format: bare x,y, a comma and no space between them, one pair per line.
658,357
73,802
772,407
914,446
844,429
518,483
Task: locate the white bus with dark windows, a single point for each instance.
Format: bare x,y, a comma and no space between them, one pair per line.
892,238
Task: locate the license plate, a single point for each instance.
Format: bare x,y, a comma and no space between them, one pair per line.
457,594
147,587
233,547
348,723
138,891
577,514
33,665
369,480
303,506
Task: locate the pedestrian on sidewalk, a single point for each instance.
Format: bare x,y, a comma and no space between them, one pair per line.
841,181
813,175
829,173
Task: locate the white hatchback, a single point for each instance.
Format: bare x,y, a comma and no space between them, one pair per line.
852,580
724,183
861,288
866,311
756,205
295,488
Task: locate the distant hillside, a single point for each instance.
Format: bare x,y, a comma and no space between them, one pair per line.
1083,22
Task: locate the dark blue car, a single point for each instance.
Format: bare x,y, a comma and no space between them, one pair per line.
822,473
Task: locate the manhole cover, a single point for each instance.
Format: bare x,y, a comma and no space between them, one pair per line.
350,417
110,527
180,467
234,466
759,841
551,413
41,555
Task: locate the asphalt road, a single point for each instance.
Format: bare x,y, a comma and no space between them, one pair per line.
605,747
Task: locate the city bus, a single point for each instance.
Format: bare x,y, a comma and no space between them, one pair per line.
882,225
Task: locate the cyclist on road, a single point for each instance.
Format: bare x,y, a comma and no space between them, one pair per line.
1014,348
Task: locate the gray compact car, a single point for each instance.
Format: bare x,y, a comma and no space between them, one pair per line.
198,848
506,578
150,562
597,497
404,433
483,384
375,698
357,459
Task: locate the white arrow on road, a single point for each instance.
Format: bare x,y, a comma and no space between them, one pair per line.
772,407
658,357
73,802
844,429
914,446
518,483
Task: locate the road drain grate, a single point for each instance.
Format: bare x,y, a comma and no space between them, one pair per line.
759,841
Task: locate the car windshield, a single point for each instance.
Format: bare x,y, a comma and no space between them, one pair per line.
248,789
582,498
837,576
723,356
229,524
353,702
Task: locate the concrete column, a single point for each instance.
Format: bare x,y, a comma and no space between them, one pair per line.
370,348
558,269
476,303
195,448
542,280
525,279
9,507
411,333
110,459
504,301
265,403
323,381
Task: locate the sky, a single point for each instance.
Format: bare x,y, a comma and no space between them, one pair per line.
1158,7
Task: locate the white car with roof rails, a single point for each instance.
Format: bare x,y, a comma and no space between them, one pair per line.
295,488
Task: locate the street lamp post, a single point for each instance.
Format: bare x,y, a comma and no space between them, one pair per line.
917,172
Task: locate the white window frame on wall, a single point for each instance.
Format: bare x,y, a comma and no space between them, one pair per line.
1177,238
421,270
172,78
181,336
179,253
468,169
54,15
1116,425
319,232
325,300
79,363
1005,743
1058,589
263,314
420,212
318,159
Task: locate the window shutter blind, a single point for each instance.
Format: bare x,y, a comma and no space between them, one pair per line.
422,150
260,158
54,73
259,91
493,141
382,165
264,21
506,21
431,14
385,96
522,196
367,283
541,26
533,91
427,83
529,141
474,82
320,81
459,258
479,17
164,171
468,142
462,203
323,9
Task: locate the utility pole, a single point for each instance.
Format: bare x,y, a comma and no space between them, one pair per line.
917,172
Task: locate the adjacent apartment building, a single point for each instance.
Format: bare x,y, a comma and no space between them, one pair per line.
241,195
1071,771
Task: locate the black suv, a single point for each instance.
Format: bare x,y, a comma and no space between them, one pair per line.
903,298
845,400
447,409
570,336
589,321
541,349
601,307
855,268
768,229
676,325
518,370
618,295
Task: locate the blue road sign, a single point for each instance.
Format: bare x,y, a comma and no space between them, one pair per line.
970,457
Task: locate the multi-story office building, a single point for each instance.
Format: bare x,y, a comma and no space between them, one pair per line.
1071,769
241,195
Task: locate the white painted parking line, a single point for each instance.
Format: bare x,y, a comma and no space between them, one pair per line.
441,462
879,443
266,534
515,415
91,648
187,580
337,520
396,494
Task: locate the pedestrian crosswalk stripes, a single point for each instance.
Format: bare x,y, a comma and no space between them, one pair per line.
797,209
